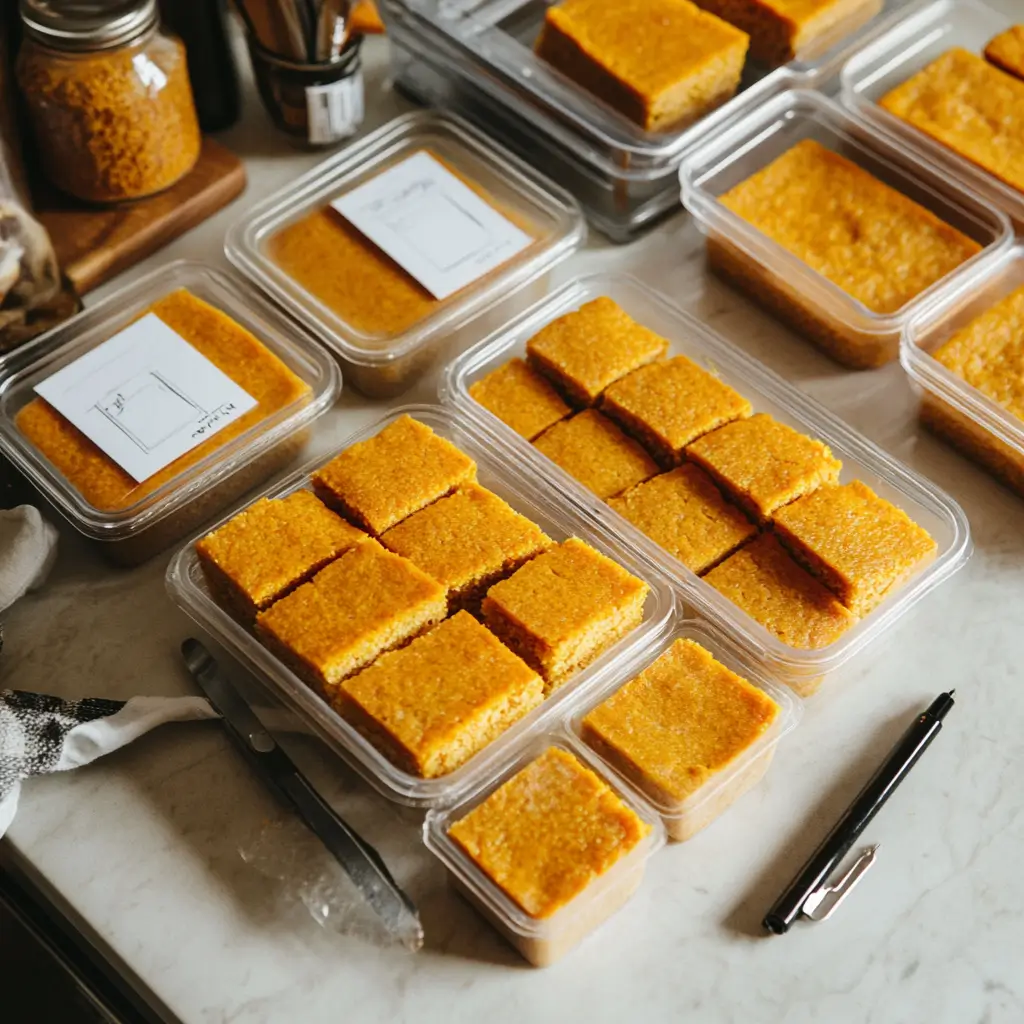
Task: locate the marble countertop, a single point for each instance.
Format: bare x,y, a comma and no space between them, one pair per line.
142,850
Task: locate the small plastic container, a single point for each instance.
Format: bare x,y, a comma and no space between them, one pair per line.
820,310
478,60
903,50
154,521
559,519
385,364
684,819
957,411
926,504
543,941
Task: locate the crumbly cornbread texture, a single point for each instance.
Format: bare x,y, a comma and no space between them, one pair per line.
521,398
1006,51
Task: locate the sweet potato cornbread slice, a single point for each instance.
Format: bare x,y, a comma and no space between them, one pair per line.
1006,51
520,398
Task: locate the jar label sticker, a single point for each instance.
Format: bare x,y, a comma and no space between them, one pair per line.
434,226
335,111
145,397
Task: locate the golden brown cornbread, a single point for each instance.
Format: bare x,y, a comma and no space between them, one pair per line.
563,608
594,451
970,106
226,344
685,513
763,464
432,705
361,605
859,545
378,482
270,548
772,589
467,542
1006,51
584,351
662,63
520,398
677,725
666,405
547,833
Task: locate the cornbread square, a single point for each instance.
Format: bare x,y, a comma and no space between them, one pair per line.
430,706
520,398
780,30
675,727
1006,51
662,63
467,542
584,351
593,450
361,605
270,548
666,405
771,588
859,545
970,106
563,608
687,515
764,464
378,482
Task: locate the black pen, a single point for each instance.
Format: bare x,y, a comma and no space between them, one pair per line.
806,893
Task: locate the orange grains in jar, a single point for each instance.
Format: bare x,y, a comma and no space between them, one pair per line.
109,98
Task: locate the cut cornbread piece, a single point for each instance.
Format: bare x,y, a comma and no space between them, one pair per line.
666,405
675,727
270,548
467,542
763,464
662,63
859,545
970,106
378,482
521,398
593,450
563,608
780,30
789,602
430,706
584,351
361,605
1006,51
687,515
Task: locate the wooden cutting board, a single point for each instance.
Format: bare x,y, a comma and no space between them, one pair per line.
93,244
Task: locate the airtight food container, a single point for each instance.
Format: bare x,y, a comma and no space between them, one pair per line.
381,322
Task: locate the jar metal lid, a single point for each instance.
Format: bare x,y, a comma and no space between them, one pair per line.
83,25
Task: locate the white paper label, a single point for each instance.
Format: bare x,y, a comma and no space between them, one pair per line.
145,397
432,225
334,111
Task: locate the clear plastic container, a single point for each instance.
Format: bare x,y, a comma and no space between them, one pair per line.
952,408
835,321
558,518
385,364
684,819
156,520
926,504
542,941
478,59
902,51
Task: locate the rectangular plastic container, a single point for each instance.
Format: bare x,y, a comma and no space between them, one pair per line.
558,518
952,408
903,50
543,941
137,532
684,819
477,58
383,365
926,504
820,310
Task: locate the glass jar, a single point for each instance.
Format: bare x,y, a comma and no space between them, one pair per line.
109,98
